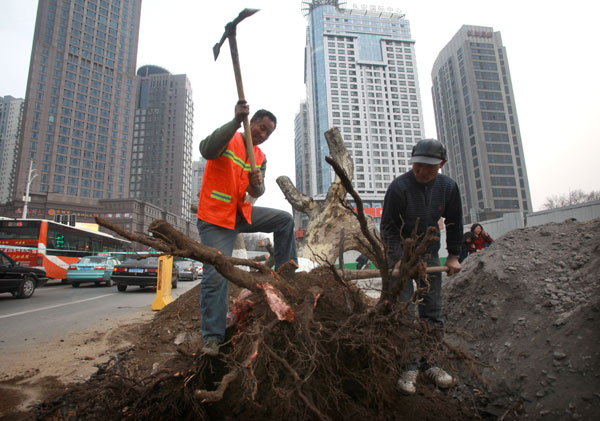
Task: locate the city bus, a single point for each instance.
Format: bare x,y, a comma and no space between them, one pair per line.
54,246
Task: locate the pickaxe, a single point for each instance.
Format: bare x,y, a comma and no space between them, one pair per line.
230,34
351,275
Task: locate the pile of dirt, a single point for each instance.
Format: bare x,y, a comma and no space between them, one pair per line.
525,312
528,308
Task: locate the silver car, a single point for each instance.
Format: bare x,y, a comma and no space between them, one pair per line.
188,271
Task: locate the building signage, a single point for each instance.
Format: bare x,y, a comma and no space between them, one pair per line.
53,212
373,8
374,212
30,212
483,34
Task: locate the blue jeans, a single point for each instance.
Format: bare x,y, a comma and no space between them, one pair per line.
214,287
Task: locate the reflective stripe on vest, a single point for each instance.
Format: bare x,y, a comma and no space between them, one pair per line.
224,184
238,161
220,196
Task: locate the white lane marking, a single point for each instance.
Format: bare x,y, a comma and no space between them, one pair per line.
55,306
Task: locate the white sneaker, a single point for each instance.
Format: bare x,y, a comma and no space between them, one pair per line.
408,382
439,377
211,348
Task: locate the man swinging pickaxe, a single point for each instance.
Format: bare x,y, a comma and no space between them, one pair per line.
225,209
230,29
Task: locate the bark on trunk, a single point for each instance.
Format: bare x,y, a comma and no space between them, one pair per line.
328,218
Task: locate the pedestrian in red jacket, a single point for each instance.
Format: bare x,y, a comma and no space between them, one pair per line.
481,239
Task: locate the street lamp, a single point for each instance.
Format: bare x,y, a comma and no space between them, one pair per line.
29,181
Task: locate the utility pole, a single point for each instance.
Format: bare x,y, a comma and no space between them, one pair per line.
29,180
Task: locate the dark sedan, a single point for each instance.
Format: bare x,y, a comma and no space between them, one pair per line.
142,272
20,281
187,270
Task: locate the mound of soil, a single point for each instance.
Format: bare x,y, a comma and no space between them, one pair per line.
522,341
528,307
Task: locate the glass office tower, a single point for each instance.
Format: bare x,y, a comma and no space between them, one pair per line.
476,118
361,76
11,112
161,158
80,99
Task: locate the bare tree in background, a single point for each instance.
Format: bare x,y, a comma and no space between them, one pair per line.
574,197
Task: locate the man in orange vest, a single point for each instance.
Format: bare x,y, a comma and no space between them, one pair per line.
225,210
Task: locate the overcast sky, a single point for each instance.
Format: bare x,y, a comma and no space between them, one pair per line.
552,50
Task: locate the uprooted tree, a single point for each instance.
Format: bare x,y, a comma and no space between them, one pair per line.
335,215
302,346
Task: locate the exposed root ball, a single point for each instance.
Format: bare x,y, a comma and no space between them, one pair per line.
339,359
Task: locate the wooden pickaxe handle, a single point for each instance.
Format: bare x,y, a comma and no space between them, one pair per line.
350,275
240,88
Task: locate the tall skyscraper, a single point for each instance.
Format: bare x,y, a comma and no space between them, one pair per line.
361,76
11,111
302,149
476,119
305,163
79,105
161,159
197,172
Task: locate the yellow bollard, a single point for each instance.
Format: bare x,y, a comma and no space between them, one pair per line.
163,283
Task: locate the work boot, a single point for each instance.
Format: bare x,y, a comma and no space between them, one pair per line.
211,348
287,268
439,376
408,382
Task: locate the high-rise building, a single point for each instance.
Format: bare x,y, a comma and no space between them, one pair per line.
361,76
79,104
161,158
304,162
302,150
476,119
11,110
197,174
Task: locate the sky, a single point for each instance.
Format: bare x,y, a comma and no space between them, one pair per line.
552,51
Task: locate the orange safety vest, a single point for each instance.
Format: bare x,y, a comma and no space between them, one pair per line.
224,185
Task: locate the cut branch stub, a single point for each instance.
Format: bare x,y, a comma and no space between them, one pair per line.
298,200
338,151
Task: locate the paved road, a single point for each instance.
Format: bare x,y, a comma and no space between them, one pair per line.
57,309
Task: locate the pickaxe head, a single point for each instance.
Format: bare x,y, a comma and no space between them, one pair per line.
230,29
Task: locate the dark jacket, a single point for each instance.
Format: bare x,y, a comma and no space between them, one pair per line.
466,246
419,205
361,261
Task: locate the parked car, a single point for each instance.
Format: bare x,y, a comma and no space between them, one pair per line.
142,272
92,269
20,281
199,268
188,271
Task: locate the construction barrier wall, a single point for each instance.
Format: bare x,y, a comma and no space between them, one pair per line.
511,221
